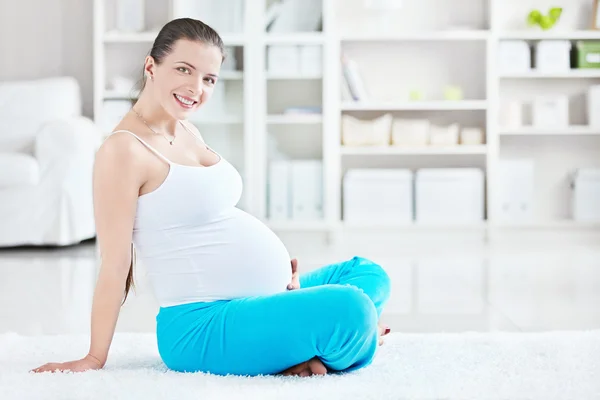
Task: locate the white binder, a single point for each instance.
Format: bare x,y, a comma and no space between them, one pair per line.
279,190
307,190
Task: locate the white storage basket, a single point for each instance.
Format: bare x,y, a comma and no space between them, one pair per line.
380,196
357,132
449,195
586,195
444,135
471,136
410,132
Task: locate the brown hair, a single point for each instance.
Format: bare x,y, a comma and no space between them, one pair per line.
180,28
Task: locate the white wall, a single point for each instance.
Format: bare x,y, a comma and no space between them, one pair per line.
42,38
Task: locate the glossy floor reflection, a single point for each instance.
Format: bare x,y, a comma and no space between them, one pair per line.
49,291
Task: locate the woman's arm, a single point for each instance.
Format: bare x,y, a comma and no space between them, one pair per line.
118,176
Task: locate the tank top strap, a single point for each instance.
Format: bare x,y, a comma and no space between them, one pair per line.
152,149
198,138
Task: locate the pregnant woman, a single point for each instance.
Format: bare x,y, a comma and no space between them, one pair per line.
231,300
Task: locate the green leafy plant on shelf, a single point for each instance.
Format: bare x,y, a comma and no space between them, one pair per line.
545,22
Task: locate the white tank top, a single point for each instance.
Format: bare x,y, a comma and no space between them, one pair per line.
197,246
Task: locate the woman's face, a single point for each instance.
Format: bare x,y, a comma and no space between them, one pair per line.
186,77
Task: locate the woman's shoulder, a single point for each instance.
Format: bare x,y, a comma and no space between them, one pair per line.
121,145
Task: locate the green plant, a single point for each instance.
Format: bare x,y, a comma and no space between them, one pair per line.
545,22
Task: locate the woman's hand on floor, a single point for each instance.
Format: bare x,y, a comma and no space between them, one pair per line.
85,364
295,284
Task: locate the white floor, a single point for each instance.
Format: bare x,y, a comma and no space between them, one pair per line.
543,287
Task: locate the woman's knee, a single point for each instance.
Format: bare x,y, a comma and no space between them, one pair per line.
375,270
356,309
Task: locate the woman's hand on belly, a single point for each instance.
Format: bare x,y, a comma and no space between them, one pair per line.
295,284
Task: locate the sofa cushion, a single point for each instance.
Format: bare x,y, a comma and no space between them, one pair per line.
54,98
18,169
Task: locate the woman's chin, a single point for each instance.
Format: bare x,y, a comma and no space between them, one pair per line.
182,114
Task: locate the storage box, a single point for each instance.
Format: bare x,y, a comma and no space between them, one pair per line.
515,191
283,59
307,190
586,195
551,111
279,187
375,132
444,135
588,54
380,196
593,106
130,15
410,132
471,136
511,114
553,56
311,60
514,56
449,195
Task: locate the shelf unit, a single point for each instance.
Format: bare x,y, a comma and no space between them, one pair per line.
574,130
294,119
573,74
445,35
536,34
429,150
555,151
440,105
426,54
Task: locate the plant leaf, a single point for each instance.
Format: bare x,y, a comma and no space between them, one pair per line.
534,17
555,13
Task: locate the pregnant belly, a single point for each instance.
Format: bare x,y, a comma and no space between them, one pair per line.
245,258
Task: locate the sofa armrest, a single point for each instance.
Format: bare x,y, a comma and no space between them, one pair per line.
65,140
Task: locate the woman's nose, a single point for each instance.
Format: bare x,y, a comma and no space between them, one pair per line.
196,88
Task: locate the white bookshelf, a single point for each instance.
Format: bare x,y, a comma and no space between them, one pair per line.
294,119
576,130
427,54
429,150
447,35
573,74
420,226
538,34
555,151
293,77
299,226
294,38
416,105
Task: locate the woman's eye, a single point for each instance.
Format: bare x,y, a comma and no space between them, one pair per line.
183,69
211,80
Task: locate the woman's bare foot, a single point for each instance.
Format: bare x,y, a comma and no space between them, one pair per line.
383,330
308,368
316,367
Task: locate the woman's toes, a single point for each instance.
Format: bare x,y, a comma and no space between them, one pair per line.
317,367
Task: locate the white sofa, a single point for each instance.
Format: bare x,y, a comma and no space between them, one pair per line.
47,151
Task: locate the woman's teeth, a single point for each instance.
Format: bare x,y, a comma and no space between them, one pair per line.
185,101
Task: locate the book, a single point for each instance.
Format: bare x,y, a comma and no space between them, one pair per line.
354,80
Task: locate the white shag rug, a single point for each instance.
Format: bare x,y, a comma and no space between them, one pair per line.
556,365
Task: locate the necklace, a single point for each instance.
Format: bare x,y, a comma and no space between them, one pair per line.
149,127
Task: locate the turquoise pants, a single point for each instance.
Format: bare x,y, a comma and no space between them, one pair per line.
333,316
